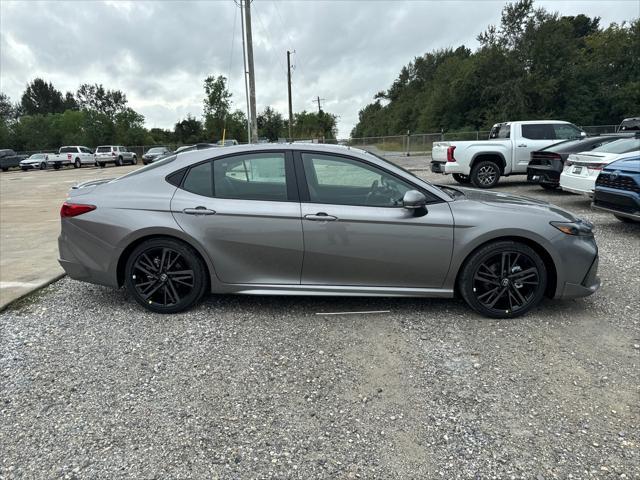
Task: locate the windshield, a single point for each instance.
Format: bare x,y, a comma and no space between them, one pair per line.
146,168
623,145
36,156
157,150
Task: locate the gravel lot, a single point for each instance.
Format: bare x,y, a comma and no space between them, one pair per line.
91,386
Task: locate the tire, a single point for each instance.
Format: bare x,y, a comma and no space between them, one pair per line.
57,166
43,166
548,186
119,162
102,164
461,179
485,174
134,160
77,163
150,283
485,279
625,219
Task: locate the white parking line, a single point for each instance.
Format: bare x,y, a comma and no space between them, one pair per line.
19,284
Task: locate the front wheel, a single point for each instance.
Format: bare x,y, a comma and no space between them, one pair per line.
504,279
134,160
165,275
43,166
485,174
462,179
119,162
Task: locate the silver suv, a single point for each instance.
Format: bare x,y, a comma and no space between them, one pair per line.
115,154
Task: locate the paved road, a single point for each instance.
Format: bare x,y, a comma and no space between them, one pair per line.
30,224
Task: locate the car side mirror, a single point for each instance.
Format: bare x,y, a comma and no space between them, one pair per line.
414,200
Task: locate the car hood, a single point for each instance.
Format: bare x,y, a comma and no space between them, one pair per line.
515,202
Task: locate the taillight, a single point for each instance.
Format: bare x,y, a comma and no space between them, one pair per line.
596,166
113,154
450,157
74,209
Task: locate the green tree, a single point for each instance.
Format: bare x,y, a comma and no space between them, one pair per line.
189,130
271,124
98,99
41,97
217,102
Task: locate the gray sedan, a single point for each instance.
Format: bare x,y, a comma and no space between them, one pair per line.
310,219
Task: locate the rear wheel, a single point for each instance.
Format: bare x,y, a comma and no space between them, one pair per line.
462,179
165,275
504,279
77,163
485,174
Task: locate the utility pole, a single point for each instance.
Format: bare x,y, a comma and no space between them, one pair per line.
252,80
244,73
318,99
289,88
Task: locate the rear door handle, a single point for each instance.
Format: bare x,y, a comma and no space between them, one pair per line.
199,211
321,217
522,145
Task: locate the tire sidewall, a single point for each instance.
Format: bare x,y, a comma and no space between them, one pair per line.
476,168
465,283
200,275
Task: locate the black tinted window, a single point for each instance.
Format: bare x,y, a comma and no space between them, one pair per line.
257,176
541,131
198,180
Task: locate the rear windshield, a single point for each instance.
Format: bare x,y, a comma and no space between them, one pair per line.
624,145
68,150
500,131
580,145
151,166
103,149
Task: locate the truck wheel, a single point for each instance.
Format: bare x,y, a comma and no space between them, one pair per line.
77,163
462,179
57,166
119,162
485,174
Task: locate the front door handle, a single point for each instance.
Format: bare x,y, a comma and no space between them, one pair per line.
321,217
199,211
522,145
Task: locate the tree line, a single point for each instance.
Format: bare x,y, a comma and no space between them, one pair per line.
534,65
45,119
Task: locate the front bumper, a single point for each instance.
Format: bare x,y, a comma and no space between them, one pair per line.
619,202
30,165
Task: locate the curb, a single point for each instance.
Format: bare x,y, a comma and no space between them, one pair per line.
35,289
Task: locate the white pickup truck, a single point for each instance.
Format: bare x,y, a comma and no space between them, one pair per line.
71,155
506,152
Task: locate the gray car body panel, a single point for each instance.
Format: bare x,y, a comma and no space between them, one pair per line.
258,247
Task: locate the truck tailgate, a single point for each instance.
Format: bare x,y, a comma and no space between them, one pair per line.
439,151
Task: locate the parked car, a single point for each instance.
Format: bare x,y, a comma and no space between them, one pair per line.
618,189
197,146
9,159
37,160
243,220
582,169
546,165
507,152
154,154
229,143
71,155
629,125
118,155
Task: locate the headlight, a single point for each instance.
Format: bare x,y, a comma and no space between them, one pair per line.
580,227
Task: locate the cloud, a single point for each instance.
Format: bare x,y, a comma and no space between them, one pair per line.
159,53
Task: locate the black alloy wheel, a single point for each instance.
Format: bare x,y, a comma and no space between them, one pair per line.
503,280
165,275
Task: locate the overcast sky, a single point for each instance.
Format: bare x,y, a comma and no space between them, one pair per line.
158,53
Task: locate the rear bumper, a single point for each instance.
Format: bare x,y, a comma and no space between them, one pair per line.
543,174
447,168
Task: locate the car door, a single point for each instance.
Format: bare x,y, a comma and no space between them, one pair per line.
244,209
357,233
533,137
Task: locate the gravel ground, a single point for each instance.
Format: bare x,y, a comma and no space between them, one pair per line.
91,386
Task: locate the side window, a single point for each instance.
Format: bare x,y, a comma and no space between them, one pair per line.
344,181
256,176
539,131
198,180
564,131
